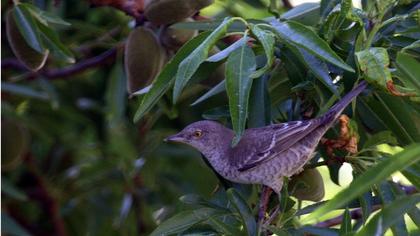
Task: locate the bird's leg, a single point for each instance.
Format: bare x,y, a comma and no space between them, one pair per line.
265,196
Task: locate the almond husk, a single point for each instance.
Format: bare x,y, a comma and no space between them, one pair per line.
29,57
144,57
307,185
163,12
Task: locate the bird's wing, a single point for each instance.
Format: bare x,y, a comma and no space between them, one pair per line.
261,144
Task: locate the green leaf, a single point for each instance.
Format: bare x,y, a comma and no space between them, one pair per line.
28,28
374,63
306,13
267,40
212,25
389,215
9,189
409,68
242,208
317,67
399,227
298,35
43,16
53,43
226,52
380,138
185,220
190,64
23,91
217,113
345,223
396,114
10,227
239,68
220,87
372,176
327,6
224,228
313,230
165,79
259,104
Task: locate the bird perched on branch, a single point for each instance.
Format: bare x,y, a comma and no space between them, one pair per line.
263,155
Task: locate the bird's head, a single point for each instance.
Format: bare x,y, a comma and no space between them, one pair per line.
206,136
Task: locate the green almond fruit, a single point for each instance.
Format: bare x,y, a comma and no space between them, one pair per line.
308,185
163,12
29,57
174,38
144,57
14,142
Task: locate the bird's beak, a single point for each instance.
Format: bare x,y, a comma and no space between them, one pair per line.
174,138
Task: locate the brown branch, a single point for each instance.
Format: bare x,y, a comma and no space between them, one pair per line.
133,8
45,197
354,214
62,73
287,4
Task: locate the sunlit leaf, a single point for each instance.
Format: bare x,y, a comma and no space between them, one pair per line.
239,68
301,36
389,215
190,64
372,176
166,77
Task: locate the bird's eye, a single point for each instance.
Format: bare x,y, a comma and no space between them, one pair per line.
198,133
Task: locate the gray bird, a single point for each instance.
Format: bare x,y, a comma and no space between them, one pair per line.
263,155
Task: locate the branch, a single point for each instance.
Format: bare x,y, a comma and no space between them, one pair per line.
354,214
133,8
52,74
45,197
287,4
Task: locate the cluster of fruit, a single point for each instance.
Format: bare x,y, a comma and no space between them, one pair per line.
150,46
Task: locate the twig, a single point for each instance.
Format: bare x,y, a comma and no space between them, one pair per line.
287,4
354,214
45,198
62,73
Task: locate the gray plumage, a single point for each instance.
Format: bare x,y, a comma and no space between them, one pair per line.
264,155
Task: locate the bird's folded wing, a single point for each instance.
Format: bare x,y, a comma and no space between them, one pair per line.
261,144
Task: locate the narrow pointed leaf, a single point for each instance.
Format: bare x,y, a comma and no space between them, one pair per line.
190,64
10,227
389,215
44,16
345,223
165,79
220,87
239,68
372,176
226,52
317,67
301,36
242,208
53,42
185,220
267,40
28,28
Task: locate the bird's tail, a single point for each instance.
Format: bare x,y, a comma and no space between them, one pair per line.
336,110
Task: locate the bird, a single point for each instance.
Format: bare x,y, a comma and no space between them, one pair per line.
264,155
